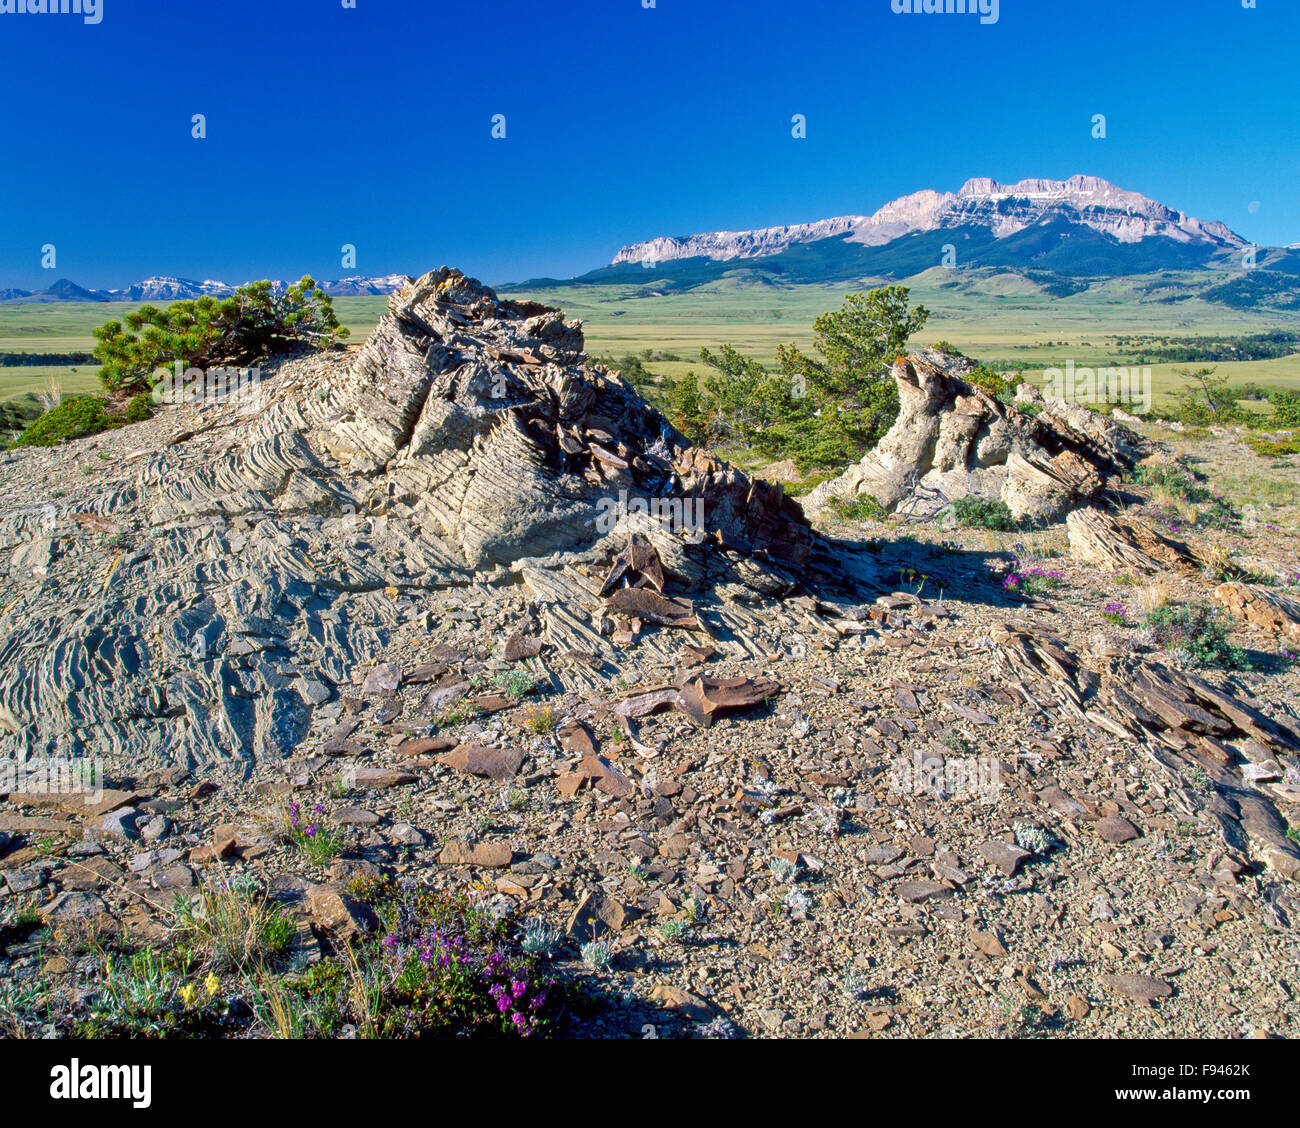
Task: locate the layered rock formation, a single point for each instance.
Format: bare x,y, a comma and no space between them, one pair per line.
224,568
483,414
952,439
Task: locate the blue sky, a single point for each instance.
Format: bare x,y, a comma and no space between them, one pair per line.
371,126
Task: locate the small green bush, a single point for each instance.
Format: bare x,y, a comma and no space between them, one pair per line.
74,418
1198,633
1286,408
1274,448
256,321
984,513
78,417
139,409
1173,478
515,683
864,507
1000,385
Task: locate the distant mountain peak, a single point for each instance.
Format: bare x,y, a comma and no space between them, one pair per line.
166,288
1005,209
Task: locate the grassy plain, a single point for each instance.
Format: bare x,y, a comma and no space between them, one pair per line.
1001,318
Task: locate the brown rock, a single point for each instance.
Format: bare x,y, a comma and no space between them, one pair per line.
576,738
1005,856
570,783
1116,829
597,913
355,816
84,805
606,777
380,779
90,875
490,763
989,943
422,746
690,1007
1145,988
642,603
494,855
675,846
913,891
218,851
520,647
512,886
1269,611
336,912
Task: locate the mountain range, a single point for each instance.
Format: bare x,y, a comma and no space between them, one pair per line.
179,289
1005,210
1060,234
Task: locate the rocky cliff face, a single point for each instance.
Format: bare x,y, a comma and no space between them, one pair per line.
722,245
1005,209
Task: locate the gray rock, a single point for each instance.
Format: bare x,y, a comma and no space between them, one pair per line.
312,691
922,890
27,879
156,829
403,834
959,443
382,680
73,907
118,826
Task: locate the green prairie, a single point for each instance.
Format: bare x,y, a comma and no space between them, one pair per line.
999,318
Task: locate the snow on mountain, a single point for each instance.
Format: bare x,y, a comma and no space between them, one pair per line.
1004,209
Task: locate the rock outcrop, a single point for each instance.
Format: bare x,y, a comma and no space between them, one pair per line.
226,567
952,439
484,415
1119,544
1271,612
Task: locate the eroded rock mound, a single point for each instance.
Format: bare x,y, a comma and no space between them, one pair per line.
952,439
190,590
1122,544
483,414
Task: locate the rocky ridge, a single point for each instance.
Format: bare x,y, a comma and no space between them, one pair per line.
1006,209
